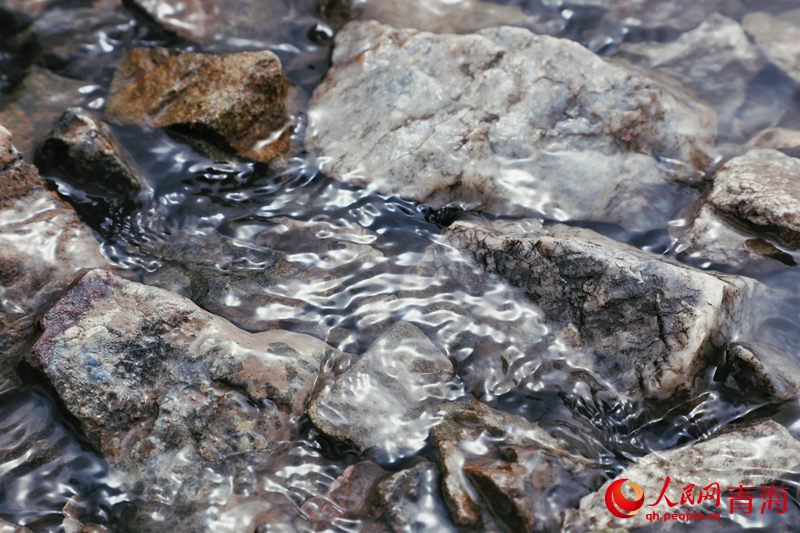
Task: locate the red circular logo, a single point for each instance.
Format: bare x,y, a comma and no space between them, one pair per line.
618,504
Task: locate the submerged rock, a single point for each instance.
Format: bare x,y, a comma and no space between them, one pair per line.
43,248
760,371
385,403
749,456
782,139
659,17
650,325
778,39
163,388
234,100
8,527
474,121
500,462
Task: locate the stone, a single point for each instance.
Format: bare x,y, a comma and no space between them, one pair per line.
162,388
34,107
494,461
233,100
716,61
657,17
750,456
350,495
472,121
85,150
760,371
762,189
385,402
8,527
649,324
43,248
336,12
782,139
778,40
443,16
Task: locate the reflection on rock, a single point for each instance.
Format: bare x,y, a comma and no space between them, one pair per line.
473,121
235,100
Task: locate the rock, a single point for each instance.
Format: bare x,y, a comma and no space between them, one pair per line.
337,12
86,151
233,100
760,371
163,389
782,139
443,16
410,500
657,17
762,189
650,325
750,456
34,107
494,460
350,495
43,248
8,527
462,131
716,61
385,402
778,40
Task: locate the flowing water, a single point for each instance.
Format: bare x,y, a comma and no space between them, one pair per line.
365,264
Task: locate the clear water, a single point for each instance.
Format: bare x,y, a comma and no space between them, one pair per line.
366,263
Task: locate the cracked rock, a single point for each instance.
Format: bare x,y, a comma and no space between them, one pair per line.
474,120
651,325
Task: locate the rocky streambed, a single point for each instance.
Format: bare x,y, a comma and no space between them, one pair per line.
399,266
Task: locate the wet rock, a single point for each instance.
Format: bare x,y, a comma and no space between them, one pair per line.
43,248
443,16
750,456
761,188
410,500
651,325
494,460
337,12
385,402
716,61
85,150
233,100
760,371
28,7
35,106
163,388
8,527
474,122
778,40
782,139
667,18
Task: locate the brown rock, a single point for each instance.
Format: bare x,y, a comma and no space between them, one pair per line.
350,496
233,100
8,527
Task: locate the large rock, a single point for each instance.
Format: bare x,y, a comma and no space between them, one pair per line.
43,248
778,39
651,325
474,121
162,388
233,100
386,401
750,456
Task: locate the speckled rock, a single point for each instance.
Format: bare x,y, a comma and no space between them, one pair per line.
495,461
651,325
385,402
235,100
473,121
85,150
161,387
778,39
33,109
750,456
43,248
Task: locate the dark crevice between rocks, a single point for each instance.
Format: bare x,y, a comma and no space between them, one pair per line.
156,31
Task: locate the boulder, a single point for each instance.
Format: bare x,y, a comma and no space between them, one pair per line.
43,248
649,324
233,100
471,120
778,39
747,456
385,402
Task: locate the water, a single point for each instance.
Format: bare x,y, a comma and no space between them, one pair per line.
366,261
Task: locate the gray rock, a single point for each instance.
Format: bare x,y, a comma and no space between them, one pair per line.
473,121
751,456
778,39
760,371
43,248
86,150
762,189
716,61
386,401
163,388
497,464
234,100
649,324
